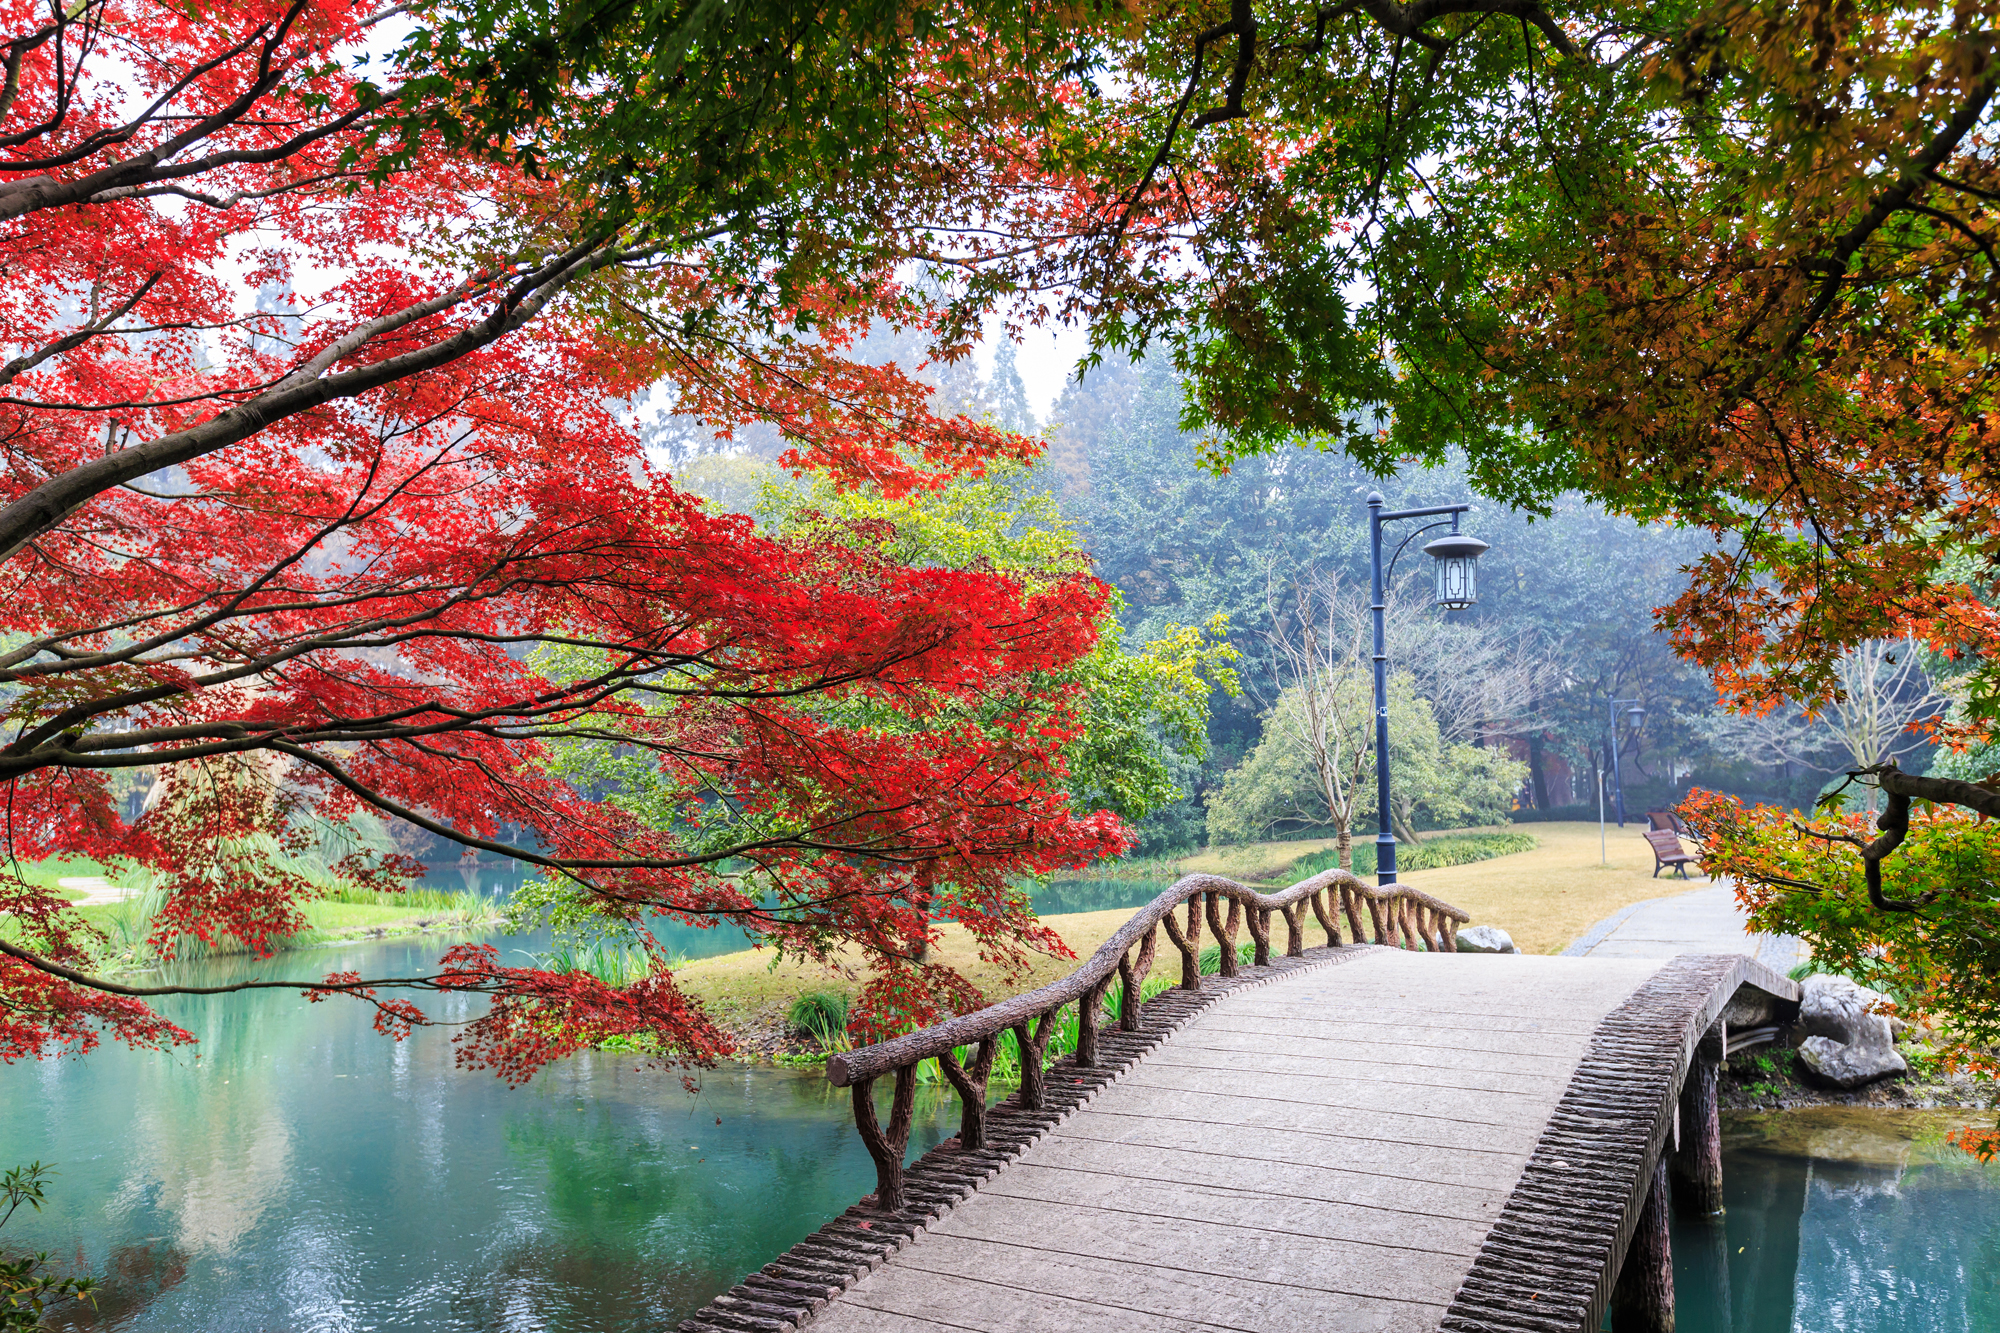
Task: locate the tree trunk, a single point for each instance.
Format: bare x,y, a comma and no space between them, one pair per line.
1343,846
1400,822
1538,778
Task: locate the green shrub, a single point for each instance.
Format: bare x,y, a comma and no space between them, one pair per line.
612,963
1431,854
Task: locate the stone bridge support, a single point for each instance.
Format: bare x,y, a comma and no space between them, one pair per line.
1585,1230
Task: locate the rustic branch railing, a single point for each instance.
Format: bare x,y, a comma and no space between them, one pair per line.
1399,915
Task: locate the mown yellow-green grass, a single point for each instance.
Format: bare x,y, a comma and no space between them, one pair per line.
744,992
1548,897
1544,899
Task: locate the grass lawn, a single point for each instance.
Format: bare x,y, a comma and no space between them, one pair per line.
1544,898
1548,897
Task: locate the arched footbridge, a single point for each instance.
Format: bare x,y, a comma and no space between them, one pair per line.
1352,1136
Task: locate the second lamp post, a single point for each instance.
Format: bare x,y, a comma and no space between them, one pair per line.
1457,586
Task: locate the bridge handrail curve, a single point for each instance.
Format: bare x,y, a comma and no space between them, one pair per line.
1400,915
850,1067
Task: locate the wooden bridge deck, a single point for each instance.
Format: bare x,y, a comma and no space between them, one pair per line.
1328,1151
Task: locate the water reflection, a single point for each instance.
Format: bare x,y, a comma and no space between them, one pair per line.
1094,895
1860,1221
298,1172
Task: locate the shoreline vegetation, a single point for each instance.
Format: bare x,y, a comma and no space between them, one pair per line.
342,916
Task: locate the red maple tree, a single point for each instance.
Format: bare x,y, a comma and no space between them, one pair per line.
386,545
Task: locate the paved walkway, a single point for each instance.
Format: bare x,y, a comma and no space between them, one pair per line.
95,889
1325,1152
1702,920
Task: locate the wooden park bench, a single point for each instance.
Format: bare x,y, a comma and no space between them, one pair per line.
1668,852
1665,819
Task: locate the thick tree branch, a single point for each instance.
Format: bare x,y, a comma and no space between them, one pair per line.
43,508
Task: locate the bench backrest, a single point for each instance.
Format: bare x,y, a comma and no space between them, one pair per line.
1666,843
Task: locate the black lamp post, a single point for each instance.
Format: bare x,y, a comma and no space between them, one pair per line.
1457,586
1637,713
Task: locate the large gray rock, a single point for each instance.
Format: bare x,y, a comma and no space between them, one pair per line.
1848,1066
1485,939
1845,1044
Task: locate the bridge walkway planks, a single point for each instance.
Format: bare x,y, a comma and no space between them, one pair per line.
1326,1152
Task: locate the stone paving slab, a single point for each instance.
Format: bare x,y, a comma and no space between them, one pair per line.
1473,1073
1312,1191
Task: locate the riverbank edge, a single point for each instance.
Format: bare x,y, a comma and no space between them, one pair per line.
348,935
1768,1079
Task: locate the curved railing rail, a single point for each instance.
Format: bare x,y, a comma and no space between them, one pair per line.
1400,916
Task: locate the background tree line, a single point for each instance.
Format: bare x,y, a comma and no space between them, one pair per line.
1519,685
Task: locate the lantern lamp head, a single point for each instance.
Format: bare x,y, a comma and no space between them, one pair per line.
1636,715
1457,559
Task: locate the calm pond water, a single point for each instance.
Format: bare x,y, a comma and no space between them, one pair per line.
1844,1220
297,1172
1095,895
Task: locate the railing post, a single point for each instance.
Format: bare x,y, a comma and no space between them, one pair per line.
1347,897
1225,940
1088,1011
1329,917
1188,942
1032,1039
971,1087
1697,1163
1260,935
1133,976
886,1146
1375,918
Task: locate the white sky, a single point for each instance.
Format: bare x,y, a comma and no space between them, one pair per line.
1045,358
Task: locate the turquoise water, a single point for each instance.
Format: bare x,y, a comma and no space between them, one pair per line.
1844,1221
297,1172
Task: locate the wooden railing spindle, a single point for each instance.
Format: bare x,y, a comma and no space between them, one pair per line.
970,1084
1188,942
1225,937
1348,901
1260,935
1031,1045
887,1146
1329,920
1089,1013
1132,975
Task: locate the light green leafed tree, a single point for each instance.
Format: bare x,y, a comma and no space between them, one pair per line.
1314,766
1290,781
1142,709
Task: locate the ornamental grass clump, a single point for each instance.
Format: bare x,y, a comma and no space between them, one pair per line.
822,1016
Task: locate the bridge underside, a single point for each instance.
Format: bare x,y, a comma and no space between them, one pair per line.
1329,1151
